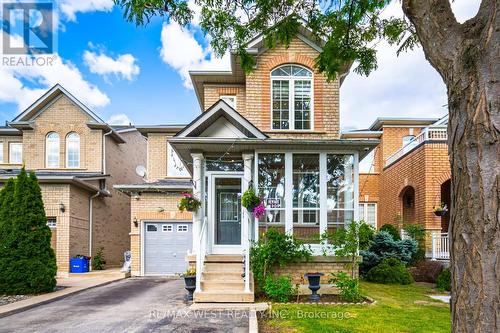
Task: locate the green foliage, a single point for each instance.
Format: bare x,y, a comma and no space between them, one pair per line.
275,249
249,199
190,272
444,280
383,247
348,30
279,289
349,287
416,232
366,234
27,261
98,261
189,203
390,271
392,230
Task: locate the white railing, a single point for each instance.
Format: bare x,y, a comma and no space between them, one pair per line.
428,134
200,256
440,246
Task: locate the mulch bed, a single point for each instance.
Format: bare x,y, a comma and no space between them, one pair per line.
324,300
8,299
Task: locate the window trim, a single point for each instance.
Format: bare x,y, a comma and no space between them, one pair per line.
10,152
79,151
55,224
182,225
47,150
168,226
1,152
365,205
291,98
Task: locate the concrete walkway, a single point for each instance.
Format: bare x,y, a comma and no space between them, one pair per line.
72,284
129,305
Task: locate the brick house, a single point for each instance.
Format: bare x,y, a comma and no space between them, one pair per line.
77,158
276,129
406,175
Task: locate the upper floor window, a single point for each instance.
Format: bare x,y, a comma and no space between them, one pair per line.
73,150
1,152
230,100
15,153
291,96
52,150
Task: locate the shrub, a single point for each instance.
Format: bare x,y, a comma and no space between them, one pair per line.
98,261
444,280
279,289
27,261
391,229
349,287
416,232
366,234
383,247
389,271
426,271
275,249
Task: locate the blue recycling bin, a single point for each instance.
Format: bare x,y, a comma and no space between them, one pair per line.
79,265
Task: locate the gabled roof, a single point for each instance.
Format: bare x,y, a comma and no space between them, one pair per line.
220,110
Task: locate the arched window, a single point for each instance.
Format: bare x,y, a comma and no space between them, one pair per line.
52,150
291,95
73,150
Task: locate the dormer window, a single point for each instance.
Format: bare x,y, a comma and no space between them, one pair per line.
291,96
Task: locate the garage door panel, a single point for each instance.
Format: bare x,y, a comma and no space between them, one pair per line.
165,247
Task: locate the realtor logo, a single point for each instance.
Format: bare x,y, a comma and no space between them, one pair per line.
28,27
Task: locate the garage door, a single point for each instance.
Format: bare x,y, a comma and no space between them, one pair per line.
165,247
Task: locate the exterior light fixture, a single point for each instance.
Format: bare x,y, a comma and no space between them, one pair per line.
160,209
136,222
62,208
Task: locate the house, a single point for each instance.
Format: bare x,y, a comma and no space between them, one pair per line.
406,176
77,158
275,129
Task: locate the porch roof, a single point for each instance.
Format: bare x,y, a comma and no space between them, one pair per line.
184,146
162,185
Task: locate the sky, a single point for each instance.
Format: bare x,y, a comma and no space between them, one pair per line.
139,75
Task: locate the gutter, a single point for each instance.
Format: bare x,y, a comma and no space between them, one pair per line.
104,151
91,219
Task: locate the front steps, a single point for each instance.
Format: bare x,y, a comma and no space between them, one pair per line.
222,281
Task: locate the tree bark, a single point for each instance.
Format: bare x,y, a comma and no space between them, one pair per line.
467,56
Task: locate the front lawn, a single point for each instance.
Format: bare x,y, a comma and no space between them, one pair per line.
397,309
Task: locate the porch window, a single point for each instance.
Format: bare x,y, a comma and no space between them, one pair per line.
223,164
339,190
271,186
291,96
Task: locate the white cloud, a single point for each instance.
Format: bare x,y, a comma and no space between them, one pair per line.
181,51
123,66
119,119
70,7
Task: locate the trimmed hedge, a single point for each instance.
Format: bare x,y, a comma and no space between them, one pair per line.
390,271
444,280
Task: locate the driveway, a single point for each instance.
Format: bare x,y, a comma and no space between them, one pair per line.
130,305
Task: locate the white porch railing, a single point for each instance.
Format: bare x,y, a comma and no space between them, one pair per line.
200,256
440,246
428,134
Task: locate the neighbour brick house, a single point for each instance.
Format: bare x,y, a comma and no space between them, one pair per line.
407,175
275,129
77,158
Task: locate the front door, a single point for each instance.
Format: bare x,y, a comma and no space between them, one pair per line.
227,214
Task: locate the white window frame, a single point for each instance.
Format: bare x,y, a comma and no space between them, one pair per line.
182,226
230,97
58,144
365,205
323,209
291,97
11,159
167,228
52,225
1,151
79,151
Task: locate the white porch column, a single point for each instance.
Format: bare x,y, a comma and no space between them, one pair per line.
247,217
198,193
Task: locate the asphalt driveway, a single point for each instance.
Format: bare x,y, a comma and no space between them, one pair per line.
130,305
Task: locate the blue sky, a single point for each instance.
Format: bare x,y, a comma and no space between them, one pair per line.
139,74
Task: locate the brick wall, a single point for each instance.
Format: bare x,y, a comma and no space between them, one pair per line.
213,92
157,156
152,206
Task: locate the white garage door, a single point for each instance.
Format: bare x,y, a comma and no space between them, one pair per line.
165,247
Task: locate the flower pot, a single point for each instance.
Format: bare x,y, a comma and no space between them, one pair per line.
314,285
440,212
190,282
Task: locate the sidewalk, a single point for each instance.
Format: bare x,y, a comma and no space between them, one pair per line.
73,284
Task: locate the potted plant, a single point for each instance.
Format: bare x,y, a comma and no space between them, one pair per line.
253,203
314,285
190,282
189,203
440,210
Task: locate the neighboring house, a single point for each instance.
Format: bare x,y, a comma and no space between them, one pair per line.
277,129
406,176
77,158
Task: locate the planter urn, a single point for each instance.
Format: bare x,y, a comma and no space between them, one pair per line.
314,279
190,282
440,212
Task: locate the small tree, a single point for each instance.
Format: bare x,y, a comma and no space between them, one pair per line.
27,261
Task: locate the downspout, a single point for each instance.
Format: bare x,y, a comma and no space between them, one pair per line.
104,151
91,220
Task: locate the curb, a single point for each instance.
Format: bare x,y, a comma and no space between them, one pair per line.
56,298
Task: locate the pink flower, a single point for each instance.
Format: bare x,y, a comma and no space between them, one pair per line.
259,210
187,195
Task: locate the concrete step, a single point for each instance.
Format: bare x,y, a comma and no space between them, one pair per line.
223,258
223,286
221,276
213,267
223,297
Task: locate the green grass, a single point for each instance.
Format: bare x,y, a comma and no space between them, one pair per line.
397,309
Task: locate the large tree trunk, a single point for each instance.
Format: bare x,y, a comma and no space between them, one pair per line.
468,58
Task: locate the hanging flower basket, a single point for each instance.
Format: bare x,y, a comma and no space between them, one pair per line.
253,203
440,210
189,203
